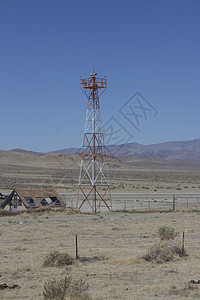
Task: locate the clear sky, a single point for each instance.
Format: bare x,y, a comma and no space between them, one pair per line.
150,47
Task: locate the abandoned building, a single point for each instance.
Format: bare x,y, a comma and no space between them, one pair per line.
28,199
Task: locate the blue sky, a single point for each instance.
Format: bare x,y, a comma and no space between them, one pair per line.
150,47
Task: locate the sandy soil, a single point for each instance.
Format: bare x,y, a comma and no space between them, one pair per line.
22,170
118,240
66,180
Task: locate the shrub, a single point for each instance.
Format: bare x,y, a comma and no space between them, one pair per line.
164,252
8,213
56,289
79,290
167,233
56,259
66,289
189,288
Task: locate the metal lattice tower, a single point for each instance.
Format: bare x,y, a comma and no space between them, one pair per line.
93,179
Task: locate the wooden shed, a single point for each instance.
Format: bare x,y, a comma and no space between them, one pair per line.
20,199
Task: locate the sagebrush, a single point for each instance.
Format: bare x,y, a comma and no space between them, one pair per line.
167,233
57,259
66,289
164,252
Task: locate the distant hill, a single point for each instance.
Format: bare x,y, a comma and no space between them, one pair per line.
184,150
51,160
159,163
68,151
11,160
27,152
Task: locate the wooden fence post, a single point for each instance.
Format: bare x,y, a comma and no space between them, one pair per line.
77,247
183,241
124,204
174,203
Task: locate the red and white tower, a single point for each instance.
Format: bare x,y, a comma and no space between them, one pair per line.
93,179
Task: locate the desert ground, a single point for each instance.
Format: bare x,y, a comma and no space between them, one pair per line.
111,244
136,175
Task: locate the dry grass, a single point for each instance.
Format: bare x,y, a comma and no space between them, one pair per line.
118,237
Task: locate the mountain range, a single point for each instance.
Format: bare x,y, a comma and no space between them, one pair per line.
184,150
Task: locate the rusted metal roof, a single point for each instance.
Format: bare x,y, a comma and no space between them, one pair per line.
36,198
